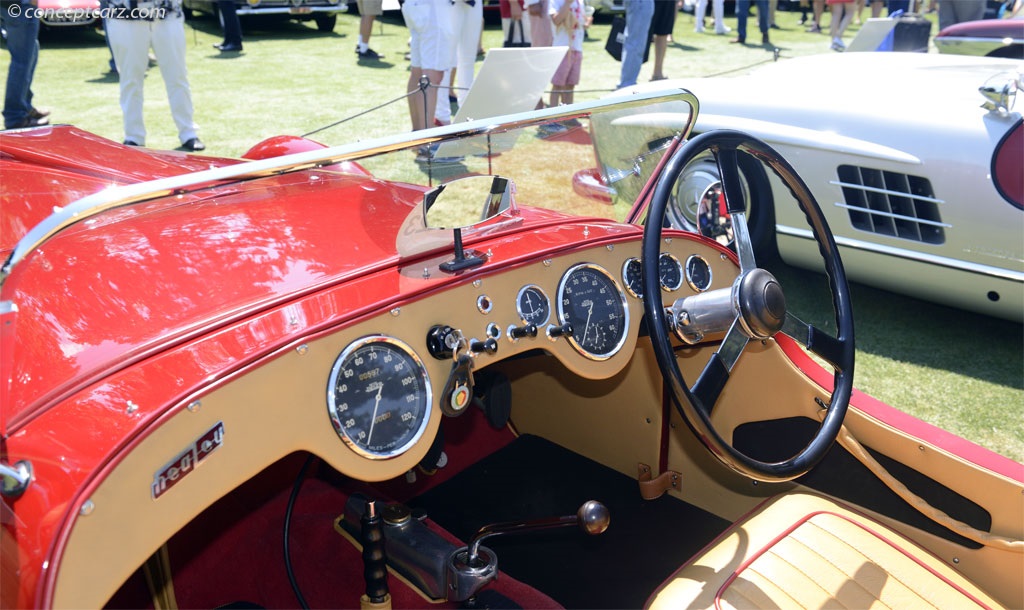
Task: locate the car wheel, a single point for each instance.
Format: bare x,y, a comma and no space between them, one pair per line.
697,203
325,23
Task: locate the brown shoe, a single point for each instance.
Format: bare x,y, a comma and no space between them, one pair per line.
35,113
738,41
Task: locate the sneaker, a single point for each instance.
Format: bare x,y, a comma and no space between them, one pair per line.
368,55
837,45
722,31
814,29
131,143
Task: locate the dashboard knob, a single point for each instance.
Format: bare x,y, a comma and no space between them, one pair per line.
564,330
489,346
520,332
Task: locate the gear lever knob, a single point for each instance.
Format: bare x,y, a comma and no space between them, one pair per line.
593,517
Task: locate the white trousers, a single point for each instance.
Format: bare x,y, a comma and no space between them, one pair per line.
467,23
130,41
717,10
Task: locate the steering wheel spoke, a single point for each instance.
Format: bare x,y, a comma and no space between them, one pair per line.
819,342
729,169
713,378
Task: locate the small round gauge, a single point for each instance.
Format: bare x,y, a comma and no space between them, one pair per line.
670,272
698,273
590,302
379,397
533,305
632,277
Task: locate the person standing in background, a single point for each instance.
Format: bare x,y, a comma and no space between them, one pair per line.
132,31
842,14
467,22
742,12
542,31
718,12
636,39
431,52
662,24
369,10
567,17
21,23
232,27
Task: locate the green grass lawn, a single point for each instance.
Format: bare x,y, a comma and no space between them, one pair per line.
954,369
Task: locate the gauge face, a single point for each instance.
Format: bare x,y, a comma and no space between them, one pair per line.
533,305
670,272
591,302
698,273
632,277
379,397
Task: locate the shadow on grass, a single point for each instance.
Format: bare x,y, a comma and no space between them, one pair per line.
910,330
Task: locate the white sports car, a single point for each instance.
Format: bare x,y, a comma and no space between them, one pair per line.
916,159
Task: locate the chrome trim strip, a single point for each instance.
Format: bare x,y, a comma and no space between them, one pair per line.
178,185
873,189
875,212
941,261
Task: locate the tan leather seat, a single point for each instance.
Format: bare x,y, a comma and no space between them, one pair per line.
805,551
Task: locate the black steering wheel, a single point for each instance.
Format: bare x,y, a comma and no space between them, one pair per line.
752,309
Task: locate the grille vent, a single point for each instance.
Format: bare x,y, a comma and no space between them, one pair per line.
893,204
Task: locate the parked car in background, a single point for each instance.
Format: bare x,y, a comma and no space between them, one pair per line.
69,13
915,157
322,12
987,37
431,368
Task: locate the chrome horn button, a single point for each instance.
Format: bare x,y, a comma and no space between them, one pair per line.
761,303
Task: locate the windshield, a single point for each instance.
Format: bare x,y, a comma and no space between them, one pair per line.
587,159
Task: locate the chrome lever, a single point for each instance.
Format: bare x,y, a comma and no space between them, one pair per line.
592,517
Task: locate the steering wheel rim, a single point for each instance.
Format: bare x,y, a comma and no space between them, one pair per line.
693,403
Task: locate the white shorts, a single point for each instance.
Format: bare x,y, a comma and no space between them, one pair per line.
431,37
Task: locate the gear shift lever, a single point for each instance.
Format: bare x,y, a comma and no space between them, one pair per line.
592,518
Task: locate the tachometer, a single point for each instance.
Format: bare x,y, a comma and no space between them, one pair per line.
379,397
632,274
591,304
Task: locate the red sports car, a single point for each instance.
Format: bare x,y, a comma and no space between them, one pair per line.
410,371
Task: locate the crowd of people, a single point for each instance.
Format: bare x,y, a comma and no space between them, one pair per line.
444,44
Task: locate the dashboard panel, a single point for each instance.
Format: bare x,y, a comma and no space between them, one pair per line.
282,403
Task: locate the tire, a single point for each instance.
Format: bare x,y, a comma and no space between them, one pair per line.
325,22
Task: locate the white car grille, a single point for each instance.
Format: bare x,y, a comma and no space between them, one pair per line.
890,203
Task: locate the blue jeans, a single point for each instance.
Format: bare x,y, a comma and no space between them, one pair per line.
742,7
22,43
638,26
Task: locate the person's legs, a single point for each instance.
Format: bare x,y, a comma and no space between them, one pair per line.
369,10
23,45
742,10
129,40
168,43
638,24
763,19
231,25
699,12
469,27
718,10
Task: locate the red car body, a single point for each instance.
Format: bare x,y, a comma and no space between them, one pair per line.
123,319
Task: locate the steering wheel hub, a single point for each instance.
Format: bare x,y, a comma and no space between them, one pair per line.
761,302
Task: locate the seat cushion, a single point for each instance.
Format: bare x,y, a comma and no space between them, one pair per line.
805,551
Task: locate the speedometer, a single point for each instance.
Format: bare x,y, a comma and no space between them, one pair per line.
592,306
378,397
